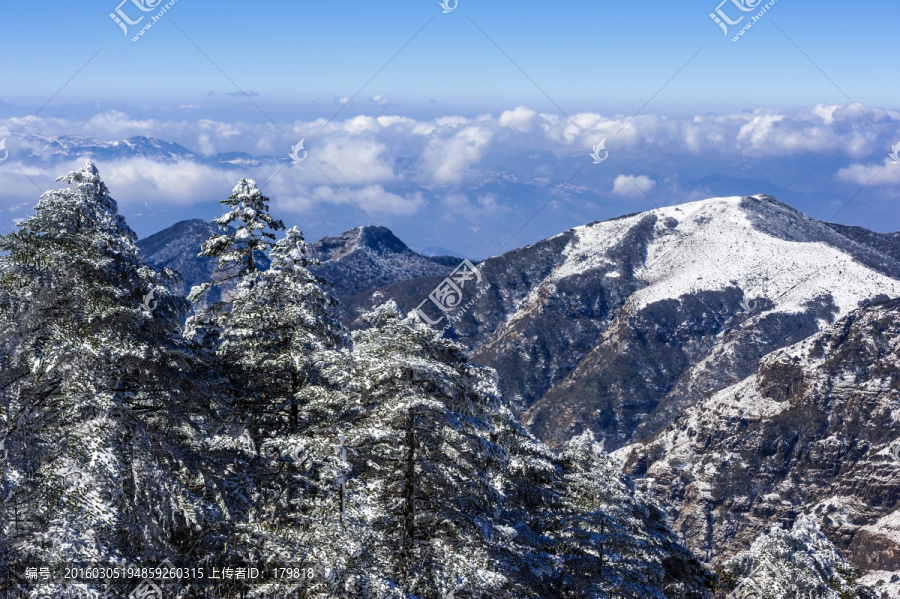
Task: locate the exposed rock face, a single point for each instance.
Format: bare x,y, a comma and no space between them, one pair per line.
816,429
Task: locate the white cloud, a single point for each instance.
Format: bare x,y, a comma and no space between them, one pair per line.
484,206
369,153
349,159
379,99
133,182
826,112
520,119
138,181
115,123
372,199
361,123
874,175
631,186
448,159
460,140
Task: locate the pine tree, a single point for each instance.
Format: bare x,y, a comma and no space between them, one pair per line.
275,342
427,458
238,253
800,562
532,486
612,538
279,319
97,410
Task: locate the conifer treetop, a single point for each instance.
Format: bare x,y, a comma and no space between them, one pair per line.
291,253
255,233
87,206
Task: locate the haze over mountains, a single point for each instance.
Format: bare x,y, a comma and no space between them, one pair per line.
468,183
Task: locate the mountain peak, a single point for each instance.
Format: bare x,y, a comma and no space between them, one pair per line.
378,239
369,257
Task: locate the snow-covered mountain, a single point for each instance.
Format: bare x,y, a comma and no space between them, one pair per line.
618,326
177,248
65,147
370,257
815,430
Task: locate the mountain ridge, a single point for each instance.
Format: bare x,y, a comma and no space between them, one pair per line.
619,325
704,268
358,260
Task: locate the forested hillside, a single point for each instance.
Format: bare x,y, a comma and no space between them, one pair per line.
262,434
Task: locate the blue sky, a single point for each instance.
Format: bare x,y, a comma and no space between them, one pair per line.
588,56
772,107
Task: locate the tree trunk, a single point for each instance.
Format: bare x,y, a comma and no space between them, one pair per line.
294,410
409,493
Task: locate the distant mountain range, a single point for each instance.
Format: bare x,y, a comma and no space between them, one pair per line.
71,146
357,261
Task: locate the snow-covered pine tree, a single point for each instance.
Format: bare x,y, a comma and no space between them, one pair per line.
532,486
612,539
97,397
798,563
427,459
275,341
279,319
237,251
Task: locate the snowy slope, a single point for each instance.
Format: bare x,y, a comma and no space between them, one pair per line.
713,245
718,284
